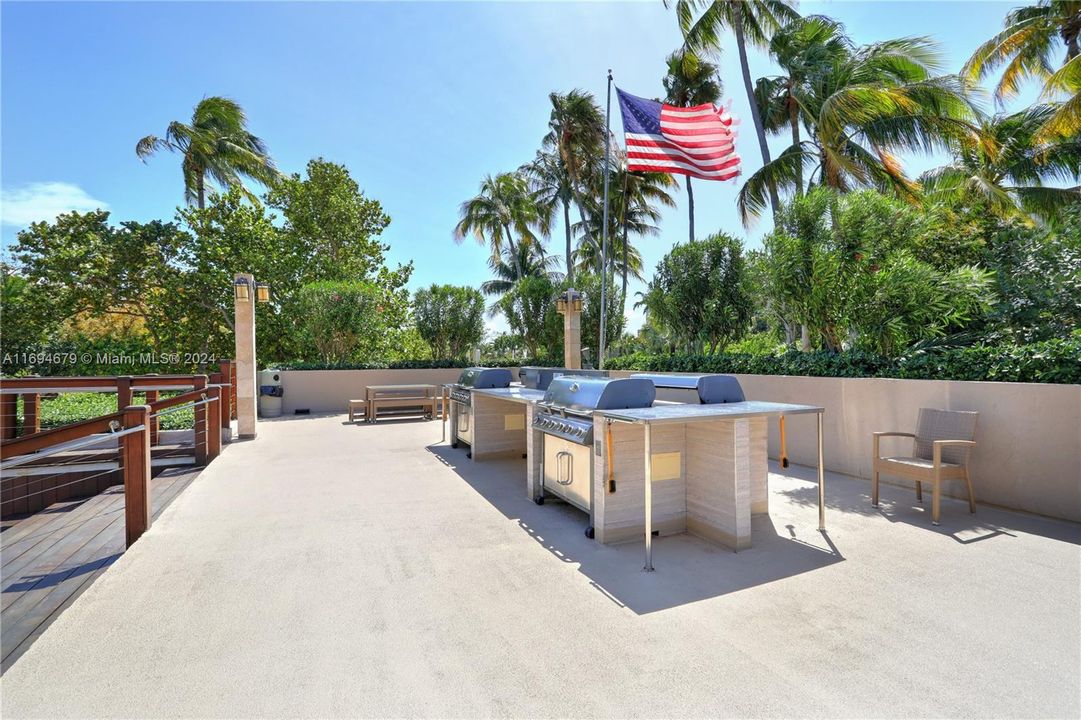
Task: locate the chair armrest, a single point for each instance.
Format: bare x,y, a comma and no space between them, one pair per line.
936,453
876,435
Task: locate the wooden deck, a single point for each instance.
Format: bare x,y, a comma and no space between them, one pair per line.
50,557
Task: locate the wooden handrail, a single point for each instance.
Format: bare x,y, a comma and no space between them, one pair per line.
187,397
45,438
60,384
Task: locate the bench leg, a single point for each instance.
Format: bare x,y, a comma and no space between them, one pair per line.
919,491
971,494
874,487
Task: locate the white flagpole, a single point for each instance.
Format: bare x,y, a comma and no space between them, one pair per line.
604,236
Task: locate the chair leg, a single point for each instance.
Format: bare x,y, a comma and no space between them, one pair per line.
971,494
936,495
874,488
919,491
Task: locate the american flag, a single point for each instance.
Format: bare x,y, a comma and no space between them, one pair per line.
696,141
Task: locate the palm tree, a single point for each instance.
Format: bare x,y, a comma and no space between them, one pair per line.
533,263
861,110
633,199
1004,169
1065,119
802,48
1028,45
690,81
504,206
216,144
576,133
552,189
751,21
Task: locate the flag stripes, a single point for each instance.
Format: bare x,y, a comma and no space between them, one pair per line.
697,141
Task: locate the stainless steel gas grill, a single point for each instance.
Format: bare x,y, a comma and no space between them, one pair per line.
461,397
539,378
565,417
702,389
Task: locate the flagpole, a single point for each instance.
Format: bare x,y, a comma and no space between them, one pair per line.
604,235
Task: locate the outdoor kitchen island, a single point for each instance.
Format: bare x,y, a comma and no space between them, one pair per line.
700,469
500,418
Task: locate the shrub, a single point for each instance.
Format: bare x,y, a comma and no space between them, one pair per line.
450,318
343,320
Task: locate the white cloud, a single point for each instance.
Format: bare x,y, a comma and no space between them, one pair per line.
44,201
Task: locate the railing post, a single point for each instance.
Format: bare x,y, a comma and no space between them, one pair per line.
135,450
9,411
227,407
228,373
31,413
213,426
155,423
201,425
123,392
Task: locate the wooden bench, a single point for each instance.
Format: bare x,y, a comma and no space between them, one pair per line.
356,409
426,403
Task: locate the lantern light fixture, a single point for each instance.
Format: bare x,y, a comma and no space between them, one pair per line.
569,299
244,289
241,290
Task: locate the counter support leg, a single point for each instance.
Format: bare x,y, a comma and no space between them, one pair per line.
821,479
649,498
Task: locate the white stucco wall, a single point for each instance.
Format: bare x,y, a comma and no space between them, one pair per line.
1029,435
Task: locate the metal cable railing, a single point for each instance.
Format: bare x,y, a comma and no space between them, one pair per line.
82,459
27,474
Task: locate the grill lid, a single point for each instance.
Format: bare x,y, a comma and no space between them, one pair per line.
539,378
586,394
485,378
711,389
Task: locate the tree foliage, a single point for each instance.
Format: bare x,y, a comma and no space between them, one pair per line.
215,145
450,318
529,308
176,278
343,321
698,293
844,266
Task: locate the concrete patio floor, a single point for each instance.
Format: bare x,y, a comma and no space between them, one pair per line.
327,569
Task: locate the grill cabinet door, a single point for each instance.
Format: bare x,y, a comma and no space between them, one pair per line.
568,470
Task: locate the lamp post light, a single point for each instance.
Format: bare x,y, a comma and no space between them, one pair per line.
569,305
245,290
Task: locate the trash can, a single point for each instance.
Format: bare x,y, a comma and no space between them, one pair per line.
270,393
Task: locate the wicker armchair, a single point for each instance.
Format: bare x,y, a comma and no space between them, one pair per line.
941,446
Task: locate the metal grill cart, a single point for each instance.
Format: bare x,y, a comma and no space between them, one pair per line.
561,451
696,467
461,400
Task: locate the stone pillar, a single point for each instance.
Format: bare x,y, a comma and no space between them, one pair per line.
571,307
246,390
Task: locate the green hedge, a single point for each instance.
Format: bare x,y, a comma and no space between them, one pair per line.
75,407
1053,361
418,364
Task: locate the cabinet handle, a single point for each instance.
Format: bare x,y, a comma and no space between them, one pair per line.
559,468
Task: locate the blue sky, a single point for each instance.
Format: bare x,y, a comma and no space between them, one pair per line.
419,100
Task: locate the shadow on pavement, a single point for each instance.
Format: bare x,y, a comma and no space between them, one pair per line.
688,569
